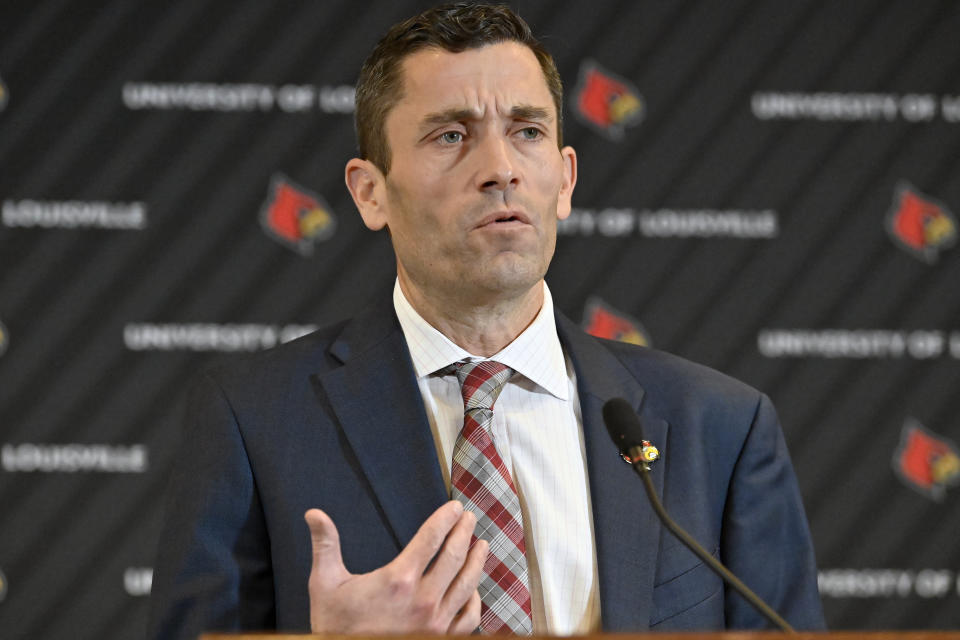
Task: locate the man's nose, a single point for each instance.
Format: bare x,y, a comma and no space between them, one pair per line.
497,168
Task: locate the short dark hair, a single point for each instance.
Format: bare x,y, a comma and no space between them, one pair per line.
454,28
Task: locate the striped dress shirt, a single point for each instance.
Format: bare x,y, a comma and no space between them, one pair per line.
537,429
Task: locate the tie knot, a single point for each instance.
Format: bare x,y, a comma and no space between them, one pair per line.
481,382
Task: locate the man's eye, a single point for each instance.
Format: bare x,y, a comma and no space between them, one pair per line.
451,137
530,133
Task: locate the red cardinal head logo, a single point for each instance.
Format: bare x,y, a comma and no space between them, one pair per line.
925,461
296,217
602,321
605,102
920,225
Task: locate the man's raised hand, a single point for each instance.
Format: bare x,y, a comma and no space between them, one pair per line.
402,596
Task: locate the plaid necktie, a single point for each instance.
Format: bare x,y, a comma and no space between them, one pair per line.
483,484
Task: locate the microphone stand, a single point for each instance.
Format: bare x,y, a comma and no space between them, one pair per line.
642,467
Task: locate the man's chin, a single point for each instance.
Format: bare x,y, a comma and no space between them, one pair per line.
511,277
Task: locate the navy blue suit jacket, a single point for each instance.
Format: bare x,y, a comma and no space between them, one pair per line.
335,420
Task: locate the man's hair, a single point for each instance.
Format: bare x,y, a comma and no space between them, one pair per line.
451,27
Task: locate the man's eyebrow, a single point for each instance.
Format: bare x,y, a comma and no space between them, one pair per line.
528,112
520,112
449,115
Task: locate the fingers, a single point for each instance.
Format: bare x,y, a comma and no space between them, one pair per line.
403,595
451,557
327,568
463,587
429,538
468,618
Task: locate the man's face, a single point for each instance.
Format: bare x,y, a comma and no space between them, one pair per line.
476,182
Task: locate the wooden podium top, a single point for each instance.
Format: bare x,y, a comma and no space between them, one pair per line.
713,635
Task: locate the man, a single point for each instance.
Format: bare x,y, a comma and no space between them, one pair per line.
370,426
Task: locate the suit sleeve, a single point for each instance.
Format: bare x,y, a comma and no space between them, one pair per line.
766,540
213,569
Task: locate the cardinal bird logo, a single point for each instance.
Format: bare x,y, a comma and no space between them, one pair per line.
925,461
603,321
919,224
295,216
605,102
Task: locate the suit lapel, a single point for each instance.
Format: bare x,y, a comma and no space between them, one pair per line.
625,527
378,404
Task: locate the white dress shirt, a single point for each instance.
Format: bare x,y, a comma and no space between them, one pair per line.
537,429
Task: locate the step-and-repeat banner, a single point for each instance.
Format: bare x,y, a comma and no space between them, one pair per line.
769,188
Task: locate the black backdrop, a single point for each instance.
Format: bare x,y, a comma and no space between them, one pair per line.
766,187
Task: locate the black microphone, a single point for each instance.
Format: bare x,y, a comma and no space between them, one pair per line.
624,426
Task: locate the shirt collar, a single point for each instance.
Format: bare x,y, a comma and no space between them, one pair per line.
536,353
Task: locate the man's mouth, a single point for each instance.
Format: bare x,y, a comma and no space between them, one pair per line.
504,218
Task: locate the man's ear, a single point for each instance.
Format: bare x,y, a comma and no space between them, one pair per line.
368,188
564,200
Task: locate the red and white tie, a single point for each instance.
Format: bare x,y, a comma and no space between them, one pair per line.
481,481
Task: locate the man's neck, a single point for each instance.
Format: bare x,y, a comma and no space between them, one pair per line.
482,328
